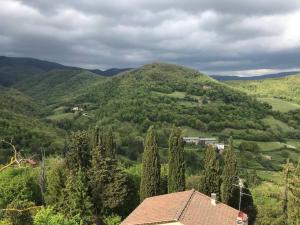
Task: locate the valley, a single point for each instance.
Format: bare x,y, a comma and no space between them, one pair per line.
262,117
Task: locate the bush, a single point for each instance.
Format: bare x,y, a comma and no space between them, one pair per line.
112,220
46,216
249,146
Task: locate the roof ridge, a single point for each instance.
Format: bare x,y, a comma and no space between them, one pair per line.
181,210
219,202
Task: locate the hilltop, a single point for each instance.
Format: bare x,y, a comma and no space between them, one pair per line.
18,69
153,94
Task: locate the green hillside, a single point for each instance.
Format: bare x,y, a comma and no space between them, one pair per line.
160,95
20,120
282,93
13,69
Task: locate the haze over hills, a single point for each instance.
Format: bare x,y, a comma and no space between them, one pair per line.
260,77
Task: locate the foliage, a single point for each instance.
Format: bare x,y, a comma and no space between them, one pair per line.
176,178
211,178
78,155
150,177
47,216
19,217
77,200
109,183
18,184
294,196
56,179
112,220
249,146
229,177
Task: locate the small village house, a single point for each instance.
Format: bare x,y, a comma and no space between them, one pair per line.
77,109
185,208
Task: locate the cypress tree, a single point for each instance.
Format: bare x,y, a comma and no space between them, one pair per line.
229,176
110,145
100,137
109,184
248,205
211,179
77,201
294,197
176,177
78,155
285,198
150,177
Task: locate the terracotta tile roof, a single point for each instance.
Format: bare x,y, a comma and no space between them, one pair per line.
187,207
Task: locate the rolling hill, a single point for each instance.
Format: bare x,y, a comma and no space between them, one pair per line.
13,69
20,119
157,94
282,93
16,69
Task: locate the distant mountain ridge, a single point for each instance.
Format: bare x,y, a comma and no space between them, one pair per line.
16,69
261,77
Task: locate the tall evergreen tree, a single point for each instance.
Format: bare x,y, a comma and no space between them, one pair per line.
78,155
150,177
285,198
109,184
77,201
210,182
229,177
294,197
176,177
105,138
110,145
247,204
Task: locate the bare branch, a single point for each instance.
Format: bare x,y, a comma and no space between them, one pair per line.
21,210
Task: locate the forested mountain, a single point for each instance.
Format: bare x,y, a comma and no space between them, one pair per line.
156,94
20,119
42,112
16,69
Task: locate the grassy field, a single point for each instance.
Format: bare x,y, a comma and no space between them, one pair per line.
280,105
282,93
277,124
62,116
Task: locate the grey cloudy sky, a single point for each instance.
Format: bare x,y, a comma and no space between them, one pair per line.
246,37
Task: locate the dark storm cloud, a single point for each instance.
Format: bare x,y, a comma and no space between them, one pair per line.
210,35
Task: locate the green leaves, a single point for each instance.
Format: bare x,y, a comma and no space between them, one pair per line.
176,178
150,177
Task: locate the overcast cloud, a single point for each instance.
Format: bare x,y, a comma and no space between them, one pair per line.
227,37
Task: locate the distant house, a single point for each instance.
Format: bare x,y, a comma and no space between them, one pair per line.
77,109
208,141
220,146
192,140
206,87
185,208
